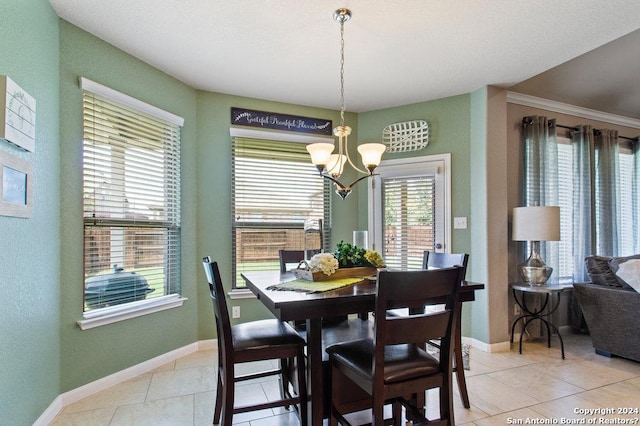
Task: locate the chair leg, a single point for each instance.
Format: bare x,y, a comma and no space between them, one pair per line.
285,377
457,353
446,401
377,412
397,413
228,397
302,388
219,395
333,421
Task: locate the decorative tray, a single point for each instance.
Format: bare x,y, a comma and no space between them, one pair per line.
363,272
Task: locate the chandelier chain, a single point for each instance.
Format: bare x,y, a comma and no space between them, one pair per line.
330,165
342,105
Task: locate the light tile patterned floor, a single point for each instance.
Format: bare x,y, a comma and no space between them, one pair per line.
504,388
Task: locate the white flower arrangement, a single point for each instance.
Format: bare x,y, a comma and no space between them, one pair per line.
324,262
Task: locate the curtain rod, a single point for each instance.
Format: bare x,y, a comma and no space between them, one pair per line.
529,120
575,128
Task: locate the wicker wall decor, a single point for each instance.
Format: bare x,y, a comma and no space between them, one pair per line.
406,136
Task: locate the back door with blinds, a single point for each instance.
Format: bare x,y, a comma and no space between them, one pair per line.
409,210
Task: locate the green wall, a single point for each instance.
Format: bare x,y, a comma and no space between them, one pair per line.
29,266
478,151
91,354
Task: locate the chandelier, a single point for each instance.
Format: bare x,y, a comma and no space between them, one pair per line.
331,165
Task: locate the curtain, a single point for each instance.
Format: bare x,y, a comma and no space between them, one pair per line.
636,195
600,203
583,237
606,192
541,174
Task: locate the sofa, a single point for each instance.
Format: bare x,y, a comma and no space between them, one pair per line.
611,304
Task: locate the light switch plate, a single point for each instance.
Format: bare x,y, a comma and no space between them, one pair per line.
459,223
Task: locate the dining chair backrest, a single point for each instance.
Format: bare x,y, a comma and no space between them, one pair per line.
415,289
220,309
445,260
288,257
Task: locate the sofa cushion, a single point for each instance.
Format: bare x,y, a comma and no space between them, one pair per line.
627,271
600,272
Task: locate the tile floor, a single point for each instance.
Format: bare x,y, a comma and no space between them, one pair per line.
537,387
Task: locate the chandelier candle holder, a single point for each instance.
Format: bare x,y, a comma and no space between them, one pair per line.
331,165
535,224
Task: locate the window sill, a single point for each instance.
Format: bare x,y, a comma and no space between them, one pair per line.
104,316
241,293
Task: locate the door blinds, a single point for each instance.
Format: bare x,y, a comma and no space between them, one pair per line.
409,220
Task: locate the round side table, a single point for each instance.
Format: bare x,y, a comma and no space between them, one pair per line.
531,314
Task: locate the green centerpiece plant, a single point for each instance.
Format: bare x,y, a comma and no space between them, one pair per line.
347,261
350,256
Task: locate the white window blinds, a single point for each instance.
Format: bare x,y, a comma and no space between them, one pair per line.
409,220
275,191
131,200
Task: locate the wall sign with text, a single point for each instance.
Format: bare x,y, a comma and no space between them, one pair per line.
272,120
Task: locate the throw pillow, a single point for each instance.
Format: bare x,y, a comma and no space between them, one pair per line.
625,270
600,272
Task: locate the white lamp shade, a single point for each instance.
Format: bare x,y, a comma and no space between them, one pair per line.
320,153
336,164
539,223
371,154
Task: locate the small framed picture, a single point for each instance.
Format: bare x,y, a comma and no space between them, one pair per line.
17,186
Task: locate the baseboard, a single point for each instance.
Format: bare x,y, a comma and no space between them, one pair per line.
99,385
487,347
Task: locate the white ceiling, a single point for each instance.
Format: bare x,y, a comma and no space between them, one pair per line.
397,53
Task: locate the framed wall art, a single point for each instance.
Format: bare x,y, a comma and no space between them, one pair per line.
17,115
16,191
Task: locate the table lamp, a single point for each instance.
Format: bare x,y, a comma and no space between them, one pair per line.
535,224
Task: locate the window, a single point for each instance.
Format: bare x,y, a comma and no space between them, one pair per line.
412,200
565,198
626,199
625,211
131,201
275,191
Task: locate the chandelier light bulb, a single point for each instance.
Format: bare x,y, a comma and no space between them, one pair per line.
371,154
336,165
320,153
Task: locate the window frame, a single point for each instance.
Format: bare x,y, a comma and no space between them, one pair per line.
440,165
106,315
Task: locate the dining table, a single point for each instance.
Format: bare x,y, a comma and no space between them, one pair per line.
311,307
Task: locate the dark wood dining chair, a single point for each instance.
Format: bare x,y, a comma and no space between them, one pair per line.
253,341
445,260
289,257
393,366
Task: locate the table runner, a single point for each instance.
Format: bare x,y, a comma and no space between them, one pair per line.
307,286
